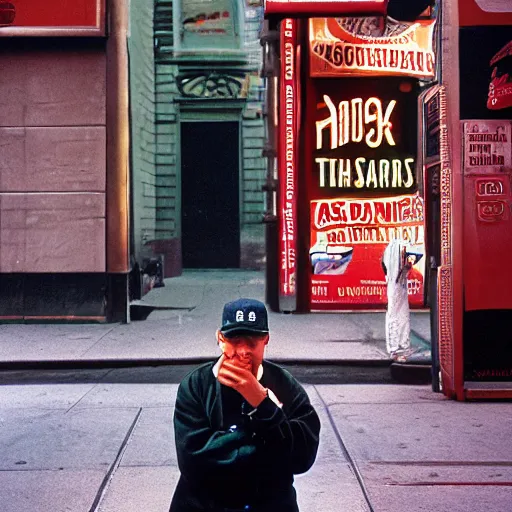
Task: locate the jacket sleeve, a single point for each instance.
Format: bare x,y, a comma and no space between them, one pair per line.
203,451
291,433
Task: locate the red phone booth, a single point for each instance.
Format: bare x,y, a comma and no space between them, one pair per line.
343,103
470,187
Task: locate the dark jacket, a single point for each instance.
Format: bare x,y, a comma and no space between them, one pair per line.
228,459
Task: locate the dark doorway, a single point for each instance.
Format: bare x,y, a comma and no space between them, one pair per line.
210,219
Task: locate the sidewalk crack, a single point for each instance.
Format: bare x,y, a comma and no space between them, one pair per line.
107,480
101,337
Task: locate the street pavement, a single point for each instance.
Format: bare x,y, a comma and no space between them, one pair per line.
101,444
101,439
182,328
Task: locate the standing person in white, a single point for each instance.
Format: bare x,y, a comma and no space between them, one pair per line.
396,263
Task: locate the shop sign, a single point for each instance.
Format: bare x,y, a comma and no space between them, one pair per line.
325,7
346,46
59,17
206,26
213,17
288,119
364,139
348,239
487,146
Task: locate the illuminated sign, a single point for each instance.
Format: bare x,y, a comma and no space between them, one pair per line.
348,239
287,163
59,17
362,141
347,122
323,7
348,46
365,174
365,143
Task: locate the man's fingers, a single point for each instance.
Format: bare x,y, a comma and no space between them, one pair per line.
229,374
225,381
235,368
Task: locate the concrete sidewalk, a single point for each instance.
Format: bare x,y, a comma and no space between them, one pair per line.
104,445
182,329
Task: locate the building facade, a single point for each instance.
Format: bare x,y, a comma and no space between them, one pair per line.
131,130
203,207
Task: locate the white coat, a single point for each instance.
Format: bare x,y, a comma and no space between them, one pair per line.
397,314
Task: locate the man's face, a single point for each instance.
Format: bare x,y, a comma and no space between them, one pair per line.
244,350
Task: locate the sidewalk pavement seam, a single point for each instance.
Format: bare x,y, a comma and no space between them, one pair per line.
105,484
345,451
100,338
84,395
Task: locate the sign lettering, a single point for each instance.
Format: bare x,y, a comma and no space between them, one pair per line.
348,239
348,121
287,162
341,46
367,174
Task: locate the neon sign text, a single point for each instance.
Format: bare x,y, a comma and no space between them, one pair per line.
347,123
343,173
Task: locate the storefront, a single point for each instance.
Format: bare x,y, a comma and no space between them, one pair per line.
349,163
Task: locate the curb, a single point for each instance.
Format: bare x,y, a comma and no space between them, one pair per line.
82,364
308,371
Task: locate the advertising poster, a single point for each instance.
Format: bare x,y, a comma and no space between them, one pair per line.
348,240
350,46
206,25
78,14
363,189
487,146
211,17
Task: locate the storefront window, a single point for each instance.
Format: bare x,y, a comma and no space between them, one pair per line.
207,25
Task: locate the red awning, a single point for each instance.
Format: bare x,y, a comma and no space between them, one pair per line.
298,8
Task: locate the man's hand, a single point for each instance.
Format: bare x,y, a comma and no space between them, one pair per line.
242,380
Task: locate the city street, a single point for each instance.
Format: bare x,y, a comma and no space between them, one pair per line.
86,411
347,164
102,440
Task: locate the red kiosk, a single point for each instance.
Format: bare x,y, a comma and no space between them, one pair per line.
372,143
469,191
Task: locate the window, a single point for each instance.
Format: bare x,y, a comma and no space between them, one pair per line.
207,25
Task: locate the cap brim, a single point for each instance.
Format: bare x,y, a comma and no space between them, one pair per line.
239,329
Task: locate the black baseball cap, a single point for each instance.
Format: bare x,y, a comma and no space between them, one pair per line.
244,316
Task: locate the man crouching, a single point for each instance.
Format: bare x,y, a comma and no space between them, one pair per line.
243,426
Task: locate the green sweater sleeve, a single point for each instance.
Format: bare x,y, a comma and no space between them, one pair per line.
203,451
290,434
